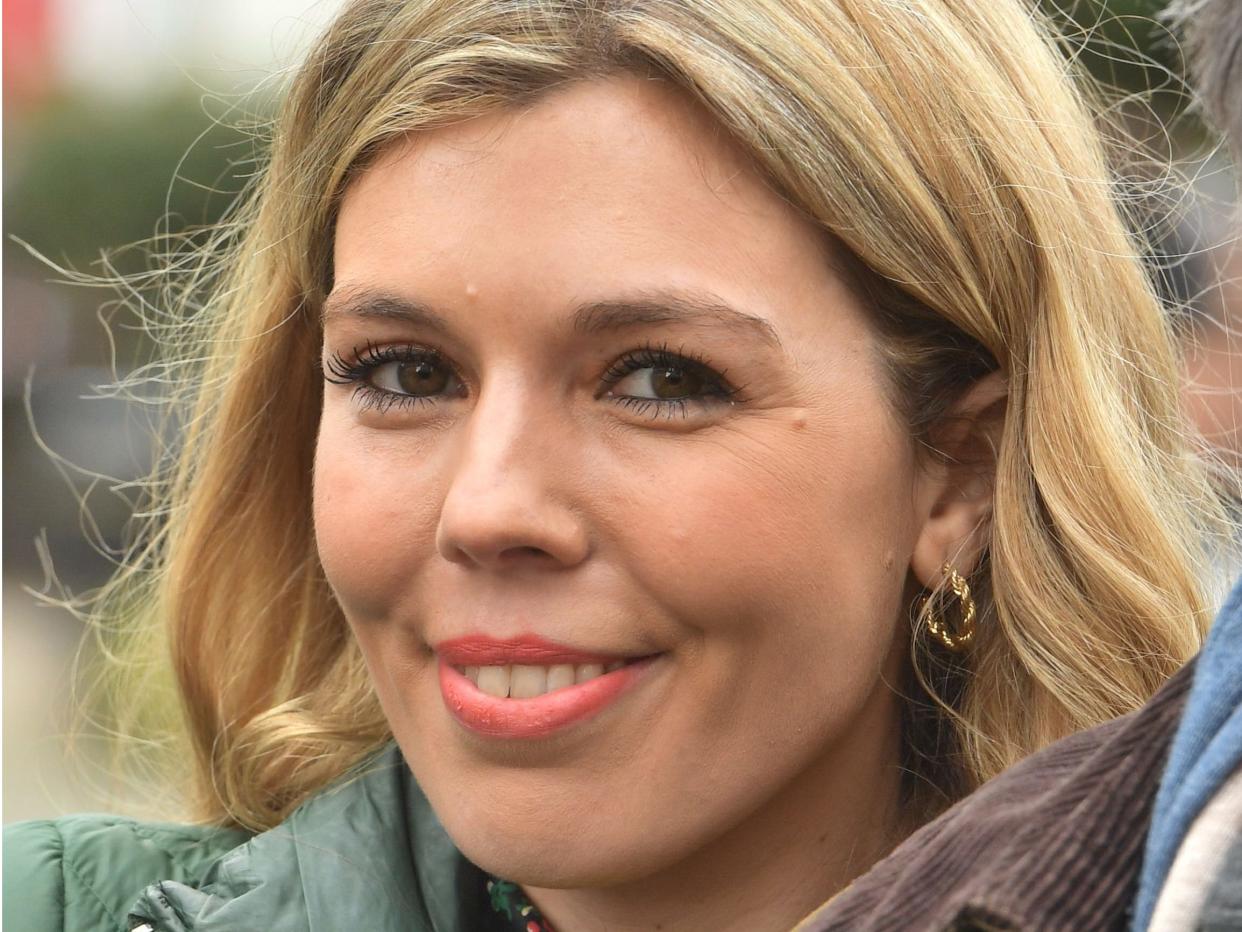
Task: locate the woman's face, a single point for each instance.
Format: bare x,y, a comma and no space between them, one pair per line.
597,404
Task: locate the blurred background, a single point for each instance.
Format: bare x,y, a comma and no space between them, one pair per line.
124,119
121,121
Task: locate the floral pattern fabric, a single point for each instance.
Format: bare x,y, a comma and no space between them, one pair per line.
509,901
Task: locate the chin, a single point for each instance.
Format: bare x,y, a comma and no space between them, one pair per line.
554,866
572,859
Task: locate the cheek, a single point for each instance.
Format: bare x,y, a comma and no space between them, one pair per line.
372,524
805,526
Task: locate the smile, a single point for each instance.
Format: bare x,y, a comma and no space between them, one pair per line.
519,681
530,700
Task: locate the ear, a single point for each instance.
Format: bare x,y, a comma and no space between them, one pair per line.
954,492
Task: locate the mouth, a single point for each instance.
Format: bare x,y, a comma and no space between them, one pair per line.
513,700
523,681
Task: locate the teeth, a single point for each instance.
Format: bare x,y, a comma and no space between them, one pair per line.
494,681
560,676
587,671
527,682
519,681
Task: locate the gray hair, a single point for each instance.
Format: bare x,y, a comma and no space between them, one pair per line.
1213,30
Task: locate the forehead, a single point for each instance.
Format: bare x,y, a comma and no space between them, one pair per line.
602,141
600,187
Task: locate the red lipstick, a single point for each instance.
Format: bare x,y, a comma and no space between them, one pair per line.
539,716
477,650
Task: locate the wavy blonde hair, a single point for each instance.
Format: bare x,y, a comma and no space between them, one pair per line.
945,151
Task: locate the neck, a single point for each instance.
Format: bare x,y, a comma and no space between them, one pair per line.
835,820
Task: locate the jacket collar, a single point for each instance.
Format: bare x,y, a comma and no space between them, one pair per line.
366,854
1055,842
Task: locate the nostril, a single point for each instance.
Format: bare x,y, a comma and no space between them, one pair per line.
523,557
527,551
519,557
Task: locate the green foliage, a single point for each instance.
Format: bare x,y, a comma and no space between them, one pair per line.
1125,44
86,176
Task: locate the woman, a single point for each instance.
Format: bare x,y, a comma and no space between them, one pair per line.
710,438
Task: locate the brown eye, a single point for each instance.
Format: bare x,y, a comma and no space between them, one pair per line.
660,382
420,378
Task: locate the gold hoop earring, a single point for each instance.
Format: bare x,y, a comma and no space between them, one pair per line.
939,627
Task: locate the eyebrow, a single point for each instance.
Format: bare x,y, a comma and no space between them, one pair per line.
588,318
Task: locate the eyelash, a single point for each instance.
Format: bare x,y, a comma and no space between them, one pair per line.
364,360
651,356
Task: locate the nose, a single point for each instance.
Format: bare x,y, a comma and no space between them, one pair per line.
505,506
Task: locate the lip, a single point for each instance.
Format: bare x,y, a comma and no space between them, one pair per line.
541,716
477,650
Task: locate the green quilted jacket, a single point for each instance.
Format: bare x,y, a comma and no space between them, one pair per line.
368,854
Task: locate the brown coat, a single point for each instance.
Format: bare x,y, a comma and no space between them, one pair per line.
1054,843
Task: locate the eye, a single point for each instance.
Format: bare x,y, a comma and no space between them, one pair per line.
660,382
395,375
418,377
653,380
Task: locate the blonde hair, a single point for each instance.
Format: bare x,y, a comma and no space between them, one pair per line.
943,148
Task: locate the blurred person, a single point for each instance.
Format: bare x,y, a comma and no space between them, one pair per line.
1212,29
1214,33
643,461
1192,867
